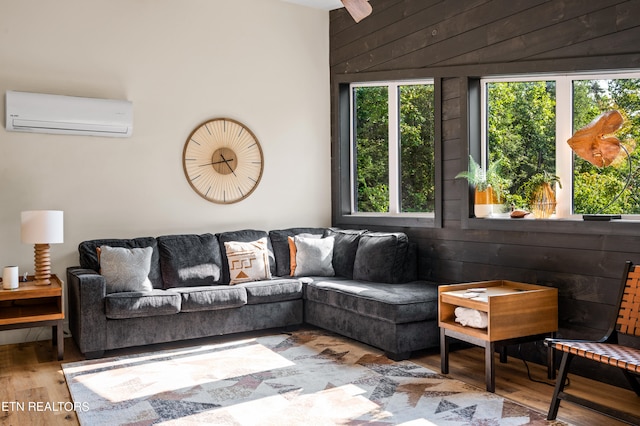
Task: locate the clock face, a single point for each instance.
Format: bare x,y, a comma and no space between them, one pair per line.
223,161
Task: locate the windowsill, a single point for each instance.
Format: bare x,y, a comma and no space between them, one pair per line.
426,220
394,215
571,225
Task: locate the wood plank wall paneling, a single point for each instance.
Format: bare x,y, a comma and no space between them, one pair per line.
456,40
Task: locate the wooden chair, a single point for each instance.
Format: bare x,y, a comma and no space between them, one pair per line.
606,350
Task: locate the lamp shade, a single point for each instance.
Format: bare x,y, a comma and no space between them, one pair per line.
42,227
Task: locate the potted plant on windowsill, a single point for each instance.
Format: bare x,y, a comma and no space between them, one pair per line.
489,192
540,190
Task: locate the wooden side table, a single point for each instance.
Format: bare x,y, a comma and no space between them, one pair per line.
34,306
515,312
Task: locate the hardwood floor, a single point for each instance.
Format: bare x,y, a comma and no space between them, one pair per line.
29,372
512,382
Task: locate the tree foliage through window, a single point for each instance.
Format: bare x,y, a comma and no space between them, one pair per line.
412,107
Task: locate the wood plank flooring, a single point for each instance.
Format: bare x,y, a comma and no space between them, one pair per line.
29,372
512,382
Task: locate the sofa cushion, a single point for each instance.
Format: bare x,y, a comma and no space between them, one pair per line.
125,269
246,235
410,268
211,298
402,303
89,255
277,290
344,249
280,244
138,304
313,256
190,260
381,257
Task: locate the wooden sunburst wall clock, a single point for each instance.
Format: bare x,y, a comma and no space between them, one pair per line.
223,161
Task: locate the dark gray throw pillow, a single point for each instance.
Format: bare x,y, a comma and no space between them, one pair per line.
190,260
381,257
344,249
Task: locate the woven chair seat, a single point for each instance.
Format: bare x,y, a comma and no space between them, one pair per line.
616,355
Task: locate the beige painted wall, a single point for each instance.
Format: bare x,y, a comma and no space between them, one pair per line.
262,62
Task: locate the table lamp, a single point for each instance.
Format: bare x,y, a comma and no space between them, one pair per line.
42,227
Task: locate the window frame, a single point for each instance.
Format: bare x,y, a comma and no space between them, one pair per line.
564,127
343,213
470,90
394,147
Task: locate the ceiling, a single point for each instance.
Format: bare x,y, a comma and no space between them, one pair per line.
318,4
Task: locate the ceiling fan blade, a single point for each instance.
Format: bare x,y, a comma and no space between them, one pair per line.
358,9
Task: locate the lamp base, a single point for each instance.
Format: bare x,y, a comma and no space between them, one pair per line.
42,264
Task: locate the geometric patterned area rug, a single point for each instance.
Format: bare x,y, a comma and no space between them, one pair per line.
309,377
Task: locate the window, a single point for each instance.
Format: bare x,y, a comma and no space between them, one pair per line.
528,120
392,148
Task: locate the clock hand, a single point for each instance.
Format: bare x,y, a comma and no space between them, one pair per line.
227,163
222,161
215,162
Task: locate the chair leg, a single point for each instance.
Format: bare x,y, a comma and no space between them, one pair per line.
633,381
560,381
503,354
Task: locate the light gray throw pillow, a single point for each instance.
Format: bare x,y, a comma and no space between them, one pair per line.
314,256
126,269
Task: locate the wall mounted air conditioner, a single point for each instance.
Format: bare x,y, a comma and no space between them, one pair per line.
70,115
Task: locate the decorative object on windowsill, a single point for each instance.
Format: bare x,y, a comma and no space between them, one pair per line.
518,214
358,9
596,144
488,187
484,201
41,228
542,195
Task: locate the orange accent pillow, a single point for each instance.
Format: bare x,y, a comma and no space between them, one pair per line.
292,255
99,252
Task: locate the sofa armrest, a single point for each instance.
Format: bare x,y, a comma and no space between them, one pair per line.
87,319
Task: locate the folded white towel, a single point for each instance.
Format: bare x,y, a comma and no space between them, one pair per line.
471,317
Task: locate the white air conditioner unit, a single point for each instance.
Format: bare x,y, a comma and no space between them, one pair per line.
70,115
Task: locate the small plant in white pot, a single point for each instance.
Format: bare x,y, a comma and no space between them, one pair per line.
489,194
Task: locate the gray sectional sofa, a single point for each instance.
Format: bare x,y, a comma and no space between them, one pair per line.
369,292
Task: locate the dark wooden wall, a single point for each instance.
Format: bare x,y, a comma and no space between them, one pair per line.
455,41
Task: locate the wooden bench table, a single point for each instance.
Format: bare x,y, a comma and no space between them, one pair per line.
515,312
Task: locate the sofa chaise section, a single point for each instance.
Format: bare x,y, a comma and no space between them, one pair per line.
381,303
399,318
